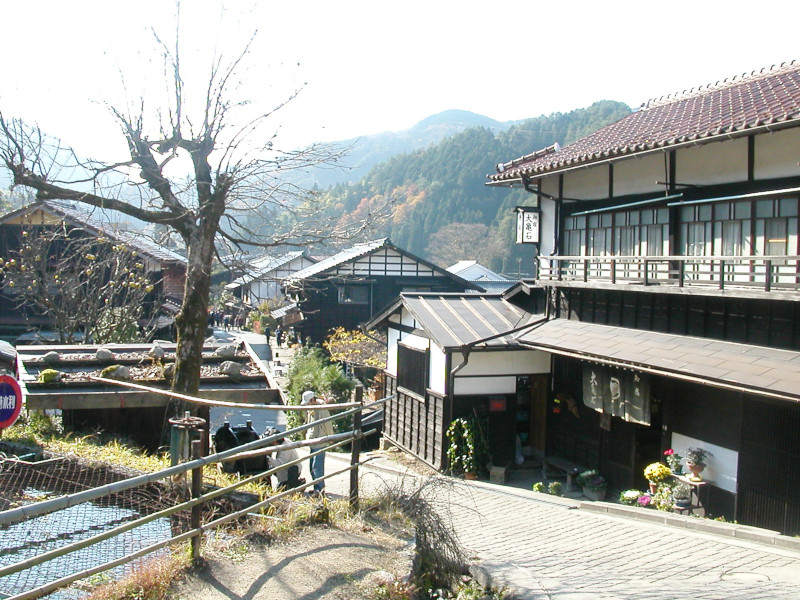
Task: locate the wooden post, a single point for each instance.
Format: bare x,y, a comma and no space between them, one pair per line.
355,456
197,490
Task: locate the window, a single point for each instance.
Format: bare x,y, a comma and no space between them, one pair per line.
412,369
353,294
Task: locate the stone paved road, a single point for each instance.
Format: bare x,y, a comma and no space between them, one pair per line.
544,549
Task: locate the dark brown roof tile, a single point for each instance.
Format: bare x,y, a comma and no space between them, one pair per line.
761,98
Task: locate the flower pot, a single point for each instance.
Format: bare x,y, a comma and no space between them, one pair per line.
682,502
653,486
696,469
471,476
597,494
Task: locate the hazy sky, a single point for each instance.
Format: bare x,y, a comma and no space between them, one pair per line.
376,66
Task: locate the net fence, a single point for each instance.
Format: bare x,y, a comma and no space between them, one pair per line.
23,483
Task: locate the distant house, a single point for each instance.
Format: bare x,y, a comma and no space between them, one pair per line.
166,268
347,289
263,276
486,278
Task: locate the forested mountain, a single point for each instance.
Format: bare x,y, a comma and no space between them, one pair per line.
365,152
437,190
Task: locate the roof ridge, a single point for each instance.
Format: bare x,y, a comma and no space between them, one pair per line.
720,85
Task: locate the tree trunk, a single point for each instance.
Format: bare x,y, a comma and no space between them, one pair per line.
192,319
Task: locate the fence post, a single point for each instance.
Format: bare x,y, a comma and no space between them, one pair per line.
197,490
355,455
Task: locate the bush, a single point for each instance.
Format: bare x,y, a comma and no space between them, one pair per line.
555,488
312,370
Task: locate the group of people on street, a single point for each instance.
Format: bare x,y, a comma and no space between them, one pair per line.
220,318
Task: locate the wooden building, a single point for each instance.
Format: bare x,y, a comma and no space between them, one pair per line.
166,268
669,258
348,288
452,356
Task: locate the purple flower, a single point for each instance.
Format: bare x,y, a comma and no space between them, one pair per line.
644,500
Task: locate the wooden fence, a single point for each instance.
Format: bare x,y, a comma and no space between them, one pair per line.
193,470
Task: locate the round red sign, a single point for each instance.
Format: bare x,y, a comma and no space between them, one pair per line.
10,401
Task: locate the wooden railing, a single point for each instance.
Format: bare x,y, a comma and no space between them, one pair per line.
763,273
195,496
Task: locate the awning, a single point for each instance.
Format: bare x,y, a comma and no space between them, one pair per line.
751,369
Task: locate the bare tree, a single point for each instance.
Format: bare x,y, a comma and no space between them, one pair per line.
232,191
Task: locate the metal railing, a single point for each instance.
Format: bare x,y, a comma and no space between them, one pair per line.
195,498
763,273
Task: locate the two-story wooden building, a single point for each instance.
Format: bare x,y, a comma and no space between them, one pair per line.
670,265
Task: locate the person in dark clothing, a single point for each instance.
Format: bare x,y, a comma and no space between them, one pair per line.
279,336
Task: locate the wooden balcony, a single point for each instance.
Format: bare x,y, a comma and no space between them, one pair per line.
760,274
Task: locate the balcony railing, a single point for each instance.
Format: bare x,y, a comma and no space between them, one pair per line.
764,273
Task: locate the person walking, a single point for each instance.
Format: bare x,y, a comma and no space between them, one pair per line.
279,336
320,430
267,333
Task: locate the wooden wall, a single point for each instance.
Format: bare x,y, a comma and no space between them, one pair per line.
761,322
417,425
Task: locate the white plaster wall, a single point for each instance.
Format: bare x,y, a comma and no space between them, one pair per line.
639,175
393,337
547,229
438,370
718,162
776,154
722,465
587,184
520,362
485,385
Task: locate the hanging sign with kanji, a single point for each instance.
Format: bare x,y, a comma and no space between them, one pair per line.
10,401
527,225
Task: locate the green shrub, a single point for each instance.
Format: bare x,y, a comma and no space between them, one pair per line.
312,370
555,488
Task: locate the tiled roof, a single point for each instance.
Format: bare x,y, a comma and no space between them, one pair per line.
262,266
340,258
358,251
760,370
737,106
134,239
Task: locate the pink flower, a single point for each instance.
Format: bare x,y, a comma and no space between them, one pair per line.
669,452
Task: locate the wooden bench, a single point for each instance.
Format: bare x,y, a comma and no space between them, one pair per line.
562,466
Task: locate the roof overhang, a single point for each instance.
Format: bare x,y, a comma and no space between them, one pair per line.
763,371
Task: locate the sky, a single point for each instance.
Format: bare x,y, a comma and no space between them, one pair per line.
368,67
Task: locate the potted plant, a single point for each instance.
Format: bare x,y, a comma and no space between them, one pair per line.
681,495
629,497
674,461
594,484
468,449
696,461
656,473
